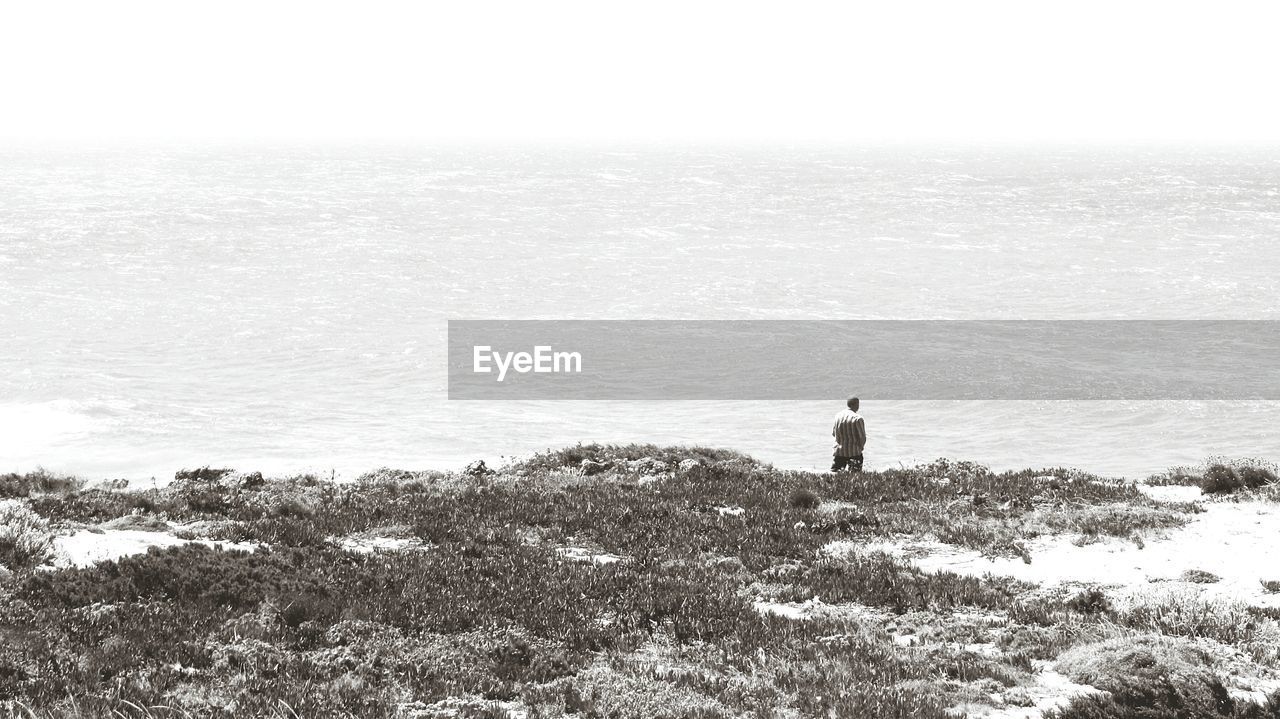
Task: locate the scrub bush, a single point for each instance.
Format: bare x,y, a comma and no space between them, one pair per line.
92,506
1229,477
1109,663
1092,601
1162,698
1200,576
41,481
25,540
804,499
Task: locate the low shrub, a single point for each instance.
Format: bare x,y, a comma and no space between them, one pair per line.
282,531
1108,664
41,481
395,477
138,522
98,505
1220,479
967,666
992,538
25,540
1116,519
1254,477
207,501
205,474
882,581
1091,602
310,607
189,574
1164,698
1200,576
605,692
1177,476
615,456
803,499
1186,614
1032,641
1229,477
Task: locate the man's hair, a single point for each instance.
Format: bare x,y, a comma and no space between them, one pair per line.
852,404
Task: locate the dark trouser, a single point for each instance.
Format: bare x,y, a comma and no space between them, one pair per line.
853,464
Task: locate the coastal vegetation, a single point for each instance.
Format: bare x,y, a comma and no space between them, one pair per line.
607,581
1224,476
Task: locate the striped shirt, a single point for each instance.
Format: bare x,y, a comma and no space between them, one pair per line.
850,433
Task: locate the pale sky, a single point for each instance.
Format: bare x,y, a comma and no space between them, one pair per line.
642,71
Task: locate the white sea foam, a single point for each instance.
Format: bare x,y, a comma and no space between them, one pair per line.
46,424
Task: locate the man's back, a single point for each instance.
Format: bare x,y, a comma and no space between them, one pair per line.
850,434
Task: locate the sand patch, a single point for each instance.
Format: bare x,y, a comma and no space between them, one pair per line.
815,608
1237,541
1172,492
581,554
86,548
369,545
1048,690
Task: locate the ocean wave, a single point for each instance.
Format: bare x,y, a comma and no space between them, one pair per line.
30,425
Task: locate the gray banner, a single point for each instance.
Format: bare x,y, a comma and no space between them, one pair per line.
874,359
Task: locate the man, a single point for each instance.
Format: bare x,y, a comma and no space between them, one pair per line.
851,436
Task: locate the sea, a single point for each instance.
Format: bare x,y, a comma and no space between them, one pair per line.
283,308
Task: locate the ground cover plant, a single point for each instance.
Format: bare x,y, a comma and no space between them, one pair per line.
1224,476
594,581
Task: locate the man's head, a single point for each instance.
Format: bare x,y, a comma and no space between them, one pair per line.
852,403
